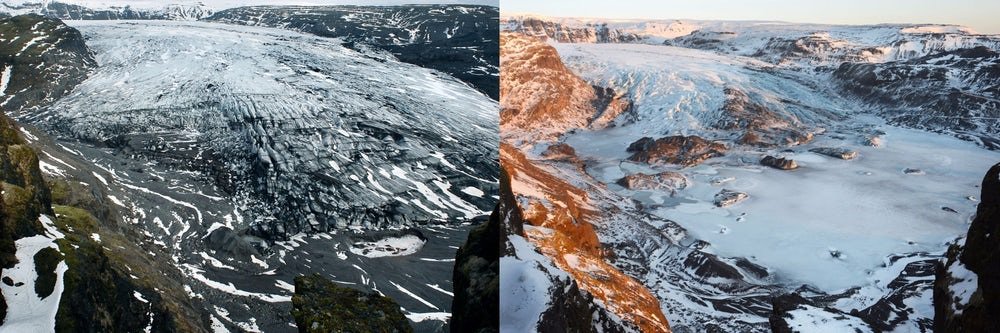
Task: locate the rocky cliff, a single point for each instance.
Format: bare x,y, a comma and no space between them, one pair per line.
322,306
568,33
967,287
41,60
550,99
541,100
475,307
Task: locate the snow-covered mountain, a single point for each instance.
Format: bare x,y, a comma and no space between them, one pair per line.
931,77
460,40
90,11
762,176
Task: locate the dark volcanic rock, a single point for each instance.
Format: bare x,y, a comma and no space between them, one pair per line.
707,265
46,260
761,126
664,181
964,307
574,311
475,308
42,58
322,306
913,282
778,163
101,285
510,213
920,93
841,153
783,307
678,149
780,305
726,198
459,40
703,39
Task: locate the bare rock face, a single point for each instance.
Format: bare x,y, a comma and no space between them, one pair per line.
42,58
761,126
778,163
664,181
726,198
678,149
542,99
967,285
918,92
841,153
559,151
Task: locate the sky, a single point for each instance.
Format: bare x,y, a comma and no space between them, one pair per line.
982,16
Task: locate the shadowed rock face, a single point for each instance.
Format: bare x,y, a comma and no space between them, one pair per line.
475,308
460,40
25,195
42,60
322,306
960,305
778,163
678,149
921,92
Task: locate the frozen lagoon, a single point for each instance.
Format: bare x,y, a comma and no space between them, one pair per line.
794,221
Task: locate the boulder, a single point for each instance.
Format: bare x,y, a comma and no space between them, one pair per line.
841,153
664,181
726,198
559,151
873,141
778,163
680,150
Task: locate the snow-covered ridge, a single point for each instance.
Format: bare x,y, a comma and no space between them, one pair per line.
96,10
772,41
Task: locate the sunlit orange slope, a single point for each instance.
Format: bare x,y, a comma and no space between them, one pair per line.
540,99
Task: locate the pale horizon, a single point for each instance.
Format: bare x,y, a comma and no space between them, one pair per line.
977,15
